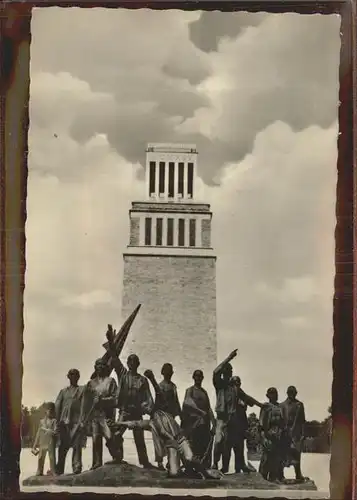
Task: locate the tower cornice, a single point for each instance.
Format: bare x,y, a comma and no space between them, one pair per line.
170,252
160,207
165,147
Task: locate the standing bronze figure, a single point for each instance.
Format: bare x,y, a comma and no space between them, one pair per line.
168,400
104,391
225,404
134,397
198,420
294,416
45,441
271,424
237,426
68,413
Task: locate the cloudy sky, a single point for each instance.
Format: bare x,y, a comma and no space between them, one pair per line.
258,94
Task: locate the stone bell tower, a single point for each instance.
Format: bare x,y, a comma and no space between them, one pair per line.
170,268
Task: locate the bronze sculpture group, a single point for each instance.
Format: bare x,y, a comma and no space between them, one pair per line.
195,447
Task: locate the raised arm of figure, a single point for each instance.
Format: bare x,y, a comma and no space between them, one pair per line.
229,358
217,372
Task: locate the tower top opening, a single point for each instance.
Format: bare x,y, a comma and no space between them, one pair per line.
170,171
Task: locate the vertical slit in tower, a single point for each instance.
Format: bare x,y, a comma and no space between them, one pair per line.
152,178
190,180
159,231
181,232
171,179
180,178
162,177
170,232
192,232
148,223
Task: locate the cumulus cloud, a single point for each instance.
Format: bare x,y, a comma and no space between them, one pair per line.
266,68
207,31
57,98
285,69
263,115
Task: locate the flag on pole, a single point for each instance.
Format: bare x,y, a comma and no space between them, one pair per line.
119,339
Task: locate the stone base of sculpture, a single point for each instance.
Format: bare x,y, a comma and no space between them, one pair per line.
128,475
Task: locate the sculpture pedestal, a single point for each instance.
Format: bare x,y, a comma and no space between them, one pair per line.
128,475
